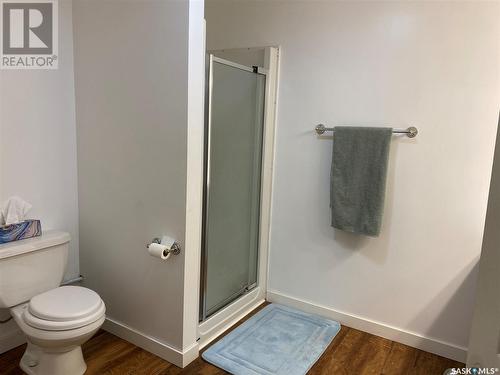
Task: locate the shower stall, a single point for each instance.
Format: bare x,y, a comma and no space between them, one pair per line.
239,132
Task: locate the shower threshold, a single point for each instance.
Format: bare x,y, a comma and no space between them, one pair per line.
229,300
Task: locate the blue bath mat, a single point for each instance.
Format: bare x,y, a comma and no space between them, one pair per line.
278,340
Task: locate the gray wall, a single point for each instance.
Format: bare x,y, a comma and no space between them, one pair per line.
131,94
485,331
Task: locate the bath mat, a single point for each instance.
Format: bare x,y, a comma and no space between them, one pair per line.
278,340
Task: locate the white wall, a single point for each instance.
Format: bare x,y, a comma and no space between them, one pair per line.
485,330
131,69
38,140
194,178
433,65
38,148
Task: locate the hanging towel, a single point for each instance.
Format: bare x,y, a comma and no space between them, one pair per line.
357,180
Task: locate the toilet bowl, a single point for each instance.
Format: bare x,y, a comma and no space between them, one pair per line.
55,320
56,323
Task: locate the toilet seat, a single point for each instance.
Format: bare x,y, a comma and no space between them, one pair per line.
64,308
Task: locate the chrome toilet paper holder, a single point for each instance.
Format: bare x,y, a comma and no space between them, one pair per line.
175,249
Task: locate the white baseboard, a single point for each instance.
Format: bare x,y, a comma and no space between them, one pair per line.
151,344
412,339
10,336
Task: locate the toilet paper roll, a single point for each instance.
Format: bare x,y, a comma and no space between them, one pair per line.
159,251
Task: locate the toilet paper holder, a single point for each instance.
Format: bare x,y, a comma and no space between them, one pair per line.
175,249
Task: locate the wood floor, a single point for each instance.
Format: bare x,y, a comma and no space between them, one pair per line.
352,352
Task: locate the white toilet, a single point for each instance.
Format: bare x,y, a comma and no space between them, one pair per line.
56,320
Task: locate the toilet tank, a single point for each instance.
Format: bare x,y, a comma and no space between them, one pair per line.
32,266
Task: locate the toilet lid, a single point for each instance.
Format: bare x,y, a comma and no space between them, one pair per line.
63,308
65,303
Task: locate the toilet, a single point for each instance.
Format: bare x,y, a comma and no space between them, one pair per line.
56,320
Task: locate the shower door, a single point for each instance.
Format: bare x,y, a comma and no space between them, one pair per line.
233,160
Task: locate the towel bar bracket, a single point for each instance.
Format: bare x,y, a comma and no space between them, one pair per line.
412,132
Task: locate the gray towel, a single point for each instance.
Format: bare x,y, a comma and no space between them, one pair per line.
358,175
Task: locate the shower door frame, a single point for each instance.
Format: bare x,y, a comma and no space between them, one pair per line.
210,327
211,59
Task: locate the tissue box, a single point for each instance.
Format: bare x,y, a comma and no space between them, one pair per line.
20,231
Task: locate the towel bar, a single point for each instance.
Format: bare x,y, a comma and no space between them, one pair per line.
411,132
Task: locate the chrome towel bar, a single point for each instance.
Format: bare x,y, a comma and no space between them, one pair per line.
411,132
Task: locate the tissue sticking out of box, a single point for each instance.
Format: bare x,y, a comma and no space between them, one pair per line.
14,211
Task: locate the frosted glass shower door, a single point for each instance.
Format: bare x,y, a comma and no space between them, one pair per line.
233,172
